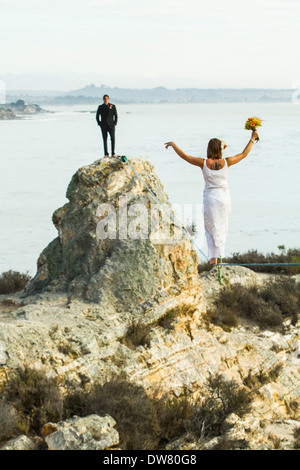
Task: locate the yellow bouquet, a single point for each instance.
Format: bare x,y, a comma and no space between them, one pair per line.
252,123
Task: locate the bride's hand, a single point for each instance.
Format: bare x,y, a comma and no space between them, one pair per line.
169,144
254,134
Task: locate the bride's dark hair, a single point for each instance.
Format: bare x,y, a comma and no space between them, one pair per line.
214,148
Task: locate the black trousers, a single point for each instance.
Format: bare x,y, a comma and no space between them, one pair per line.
105,129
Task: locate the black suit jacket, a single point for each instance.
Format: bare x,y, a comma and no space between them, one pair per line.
112,116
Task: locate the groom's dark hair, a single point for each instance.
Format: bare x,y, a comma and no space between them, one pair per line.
105,96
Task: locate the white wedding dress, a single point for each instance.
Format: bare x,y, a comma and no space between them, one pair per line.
216,209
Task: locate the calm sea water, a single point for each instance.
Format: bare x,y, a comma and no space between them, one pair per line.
40,154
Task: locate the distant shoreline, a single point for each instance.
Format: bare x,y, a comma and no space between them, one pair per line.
159,95
15,110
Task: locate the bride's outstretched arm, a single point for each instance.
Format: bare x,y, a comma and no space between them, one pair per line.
238,157
182,154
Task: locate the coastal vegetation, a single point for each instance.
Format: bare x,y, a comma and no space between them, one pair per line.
291,255
267,306
30,399
13,281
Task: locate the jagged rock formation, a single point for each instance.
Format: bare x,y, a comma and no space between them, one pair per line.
125,270
74,317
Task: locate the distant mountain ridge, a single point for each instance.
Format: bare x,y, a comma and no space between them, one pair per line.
92,94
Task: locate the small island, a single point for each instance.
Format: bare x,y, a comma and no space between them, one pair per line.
20,107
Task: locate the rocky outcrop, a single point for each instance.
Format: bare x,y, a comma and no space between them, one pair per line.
74,317
92,432
251,433
14,110
20,107
133,264
7,114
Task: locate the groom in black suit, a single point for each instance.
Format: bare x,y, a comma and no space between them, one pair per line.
108,122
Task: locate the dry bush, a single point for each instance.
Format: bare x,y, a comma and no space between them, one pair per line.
13,281
168,320
148,422
296,436
223,316
231,444
292,255
8,421
262,377
138,334
253,256
143,421
223,398
268,306
35,397
285,294
130,406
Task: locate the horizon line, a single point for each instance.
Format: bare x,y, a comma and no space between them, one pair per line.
153,88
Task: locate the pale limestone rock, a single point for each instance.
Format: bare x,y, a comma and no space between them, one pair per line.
20,443
92,432
3,354
129,269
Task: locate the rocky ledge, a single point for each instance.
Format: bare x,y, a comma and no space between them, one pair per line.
75,314
7,114
19,108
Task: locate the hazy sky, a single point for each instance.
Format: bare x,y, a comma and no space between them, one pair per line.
144,43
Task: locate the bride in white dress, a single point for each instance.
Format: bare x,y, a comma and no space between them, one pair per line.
216,195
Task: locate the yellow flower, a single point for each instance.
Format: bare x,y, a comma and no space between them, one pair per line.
252,123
